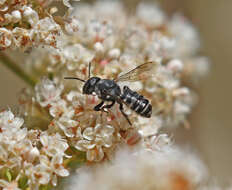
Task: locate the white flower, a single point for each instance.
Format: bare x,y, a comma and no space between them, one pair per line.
10,127
75,54
30,15
47,170
5,38
187,41
22,37
16,15
99,48
67,4
53,168
9,185
67,125
9,122
53,144
94,139
39,173
175,65
47,92
114,53
46,31
159,142
148,127
150,14
58,108
160,47
72,26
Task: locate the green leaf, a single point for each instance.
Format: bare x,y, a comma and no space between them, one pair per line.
8,175
22,183
45,187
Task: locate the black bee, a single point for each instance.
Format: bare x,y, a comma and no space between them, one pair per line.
108,90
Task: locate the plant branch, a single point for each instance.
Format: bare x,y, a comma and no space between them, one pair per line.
14,67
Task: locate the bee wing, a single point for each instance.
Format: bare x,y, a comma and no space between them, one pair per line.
141,72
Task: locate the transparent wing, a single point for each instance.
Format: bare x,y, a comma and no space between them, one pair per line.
142,72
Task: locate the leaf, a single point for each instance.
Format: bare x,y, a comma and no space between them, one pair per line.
22,183
45,187
8,175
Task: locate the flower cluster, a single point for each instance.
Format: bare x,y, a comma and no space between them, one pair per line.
114,43
168,169
61,122
26,24
29,158
73,116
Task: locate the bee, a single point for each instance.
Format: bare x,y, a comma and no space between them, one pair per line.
109,91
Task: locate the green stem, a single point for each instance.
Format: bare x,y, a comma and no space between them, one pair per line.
14,67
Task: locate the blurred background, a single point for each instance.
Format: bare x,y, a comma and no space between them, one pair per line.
210,134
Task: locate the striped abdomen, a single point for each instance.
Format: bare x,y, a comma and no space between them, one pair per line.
136,102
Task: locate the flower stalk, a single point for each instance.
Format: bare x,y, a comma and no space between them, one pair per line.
15,68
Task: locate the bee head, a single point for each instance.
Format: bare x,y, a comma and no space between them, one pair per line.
89,86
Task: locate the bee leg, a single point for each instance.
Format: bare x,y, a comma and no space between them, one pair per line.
123,113
98,107
108,106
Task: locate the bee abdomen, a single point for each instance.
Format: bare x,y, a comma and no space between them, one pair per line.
136,102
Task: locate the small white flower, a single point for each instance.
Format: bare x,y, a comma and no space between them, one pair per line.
67,125
94,139
114,53
72,27
46,31
150,14
99,48
67,4
22,37
183,91
30,15
9,122
75,54
187,41
159,142
58,108
181,108
47,92
9,185
16,15
175,65
149,126
5,37
53,144
58,169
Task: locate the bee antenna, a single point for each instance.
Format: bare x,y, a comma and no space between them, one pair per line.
74,78
89,69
